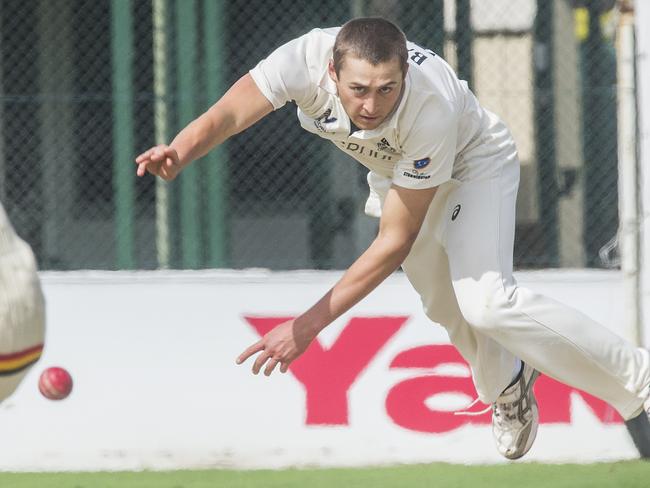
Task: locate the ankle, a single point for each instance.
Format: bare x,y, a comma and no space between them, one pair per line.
517,375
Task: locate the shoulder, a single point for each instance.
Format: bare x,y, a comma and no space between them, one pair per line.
310,46
294,70
427,108
325,34
318,45
428,119
435,96
314,48
431,72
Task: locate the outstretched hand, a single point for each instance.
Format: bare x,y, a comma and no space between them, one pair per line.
160,160
281,345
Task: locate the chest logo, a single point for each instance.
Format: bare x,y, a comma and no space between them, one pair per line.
324,119
421,163
384,145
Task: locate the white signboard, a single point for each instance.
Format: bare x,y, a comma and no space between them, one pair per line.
156,384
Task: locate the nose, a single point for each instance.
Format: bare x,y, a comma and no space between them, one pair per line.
370,105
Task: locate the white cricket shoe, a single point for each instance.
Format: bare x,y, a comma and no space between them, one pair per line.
515,416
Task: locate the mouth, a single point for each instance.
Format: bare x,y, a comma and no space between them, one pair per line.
366,119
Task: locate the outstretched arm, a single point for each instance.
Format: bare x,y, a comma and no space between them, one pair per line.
402,216
240,107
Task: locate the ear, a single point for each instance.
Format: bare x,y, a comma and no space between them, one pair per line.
406,70
332,72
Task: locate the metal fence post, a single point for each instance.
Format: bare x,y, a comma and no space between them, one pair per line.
600,138
216,162
186,42
160,25
123,146
544,104
464,41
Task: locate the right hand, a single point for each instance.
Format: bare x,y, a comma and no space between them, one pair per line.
281,345
160,160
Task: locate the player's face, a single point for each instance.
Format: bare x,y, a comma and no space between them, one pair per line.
368,92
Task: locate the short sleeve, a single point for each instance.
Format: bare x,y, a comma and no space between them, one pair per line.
429,149
284,75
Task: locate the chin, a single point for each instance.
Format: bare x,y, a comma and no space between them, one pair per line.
368,125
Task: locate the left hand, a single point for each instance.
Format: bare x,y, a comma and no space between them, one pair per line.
161,160
281,345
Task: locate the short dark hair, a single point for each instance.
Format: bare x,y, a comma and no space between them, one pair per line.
372,39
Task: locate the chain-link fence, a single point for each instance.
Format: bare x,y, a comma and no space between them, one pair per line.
87,84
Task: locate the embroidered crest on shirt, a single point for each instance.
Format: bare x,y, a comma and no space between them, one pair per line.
324,119
421,163
384,145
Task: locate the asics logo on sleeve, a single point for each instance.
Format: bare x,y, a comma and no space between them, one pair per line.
455,213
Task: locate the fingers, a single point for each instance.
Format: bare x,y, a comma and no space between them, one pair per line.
166,170
156,154
160,160
257,347
270,366
143,167
142,157
265,358
148,161
259,362
171,156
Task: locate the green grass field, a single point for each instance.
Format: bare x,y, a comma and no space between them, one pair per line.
633,474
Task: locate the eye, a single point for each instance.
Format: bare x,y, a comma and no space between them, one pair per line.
358,89
386,89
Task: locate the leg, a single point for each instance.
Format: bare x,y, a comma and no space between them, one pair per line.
515,415
553,338
427,268
22,310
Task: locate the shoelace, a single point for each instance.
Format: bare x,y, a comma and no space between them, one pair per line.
465,412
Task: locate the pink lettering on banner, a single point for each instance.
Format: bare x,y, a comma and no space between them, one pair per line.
328,374
554,399
405,403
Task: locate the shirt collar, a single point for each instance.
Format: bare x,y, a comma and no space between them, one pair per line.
327,84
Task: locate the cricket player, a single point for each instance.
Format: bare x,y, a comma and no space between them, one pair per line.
443,177
22,309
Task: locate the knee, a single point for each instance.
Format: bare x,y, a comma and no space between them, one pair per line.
482,316
484,307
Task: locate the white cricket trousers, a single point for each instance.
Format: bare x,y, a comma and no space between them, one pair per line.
22,309
461,266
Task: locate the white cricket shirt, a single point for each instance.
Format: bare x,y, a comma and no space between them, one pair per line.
437,132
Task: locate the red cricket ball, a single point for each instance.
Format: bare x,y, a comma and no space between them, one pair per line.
55,383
